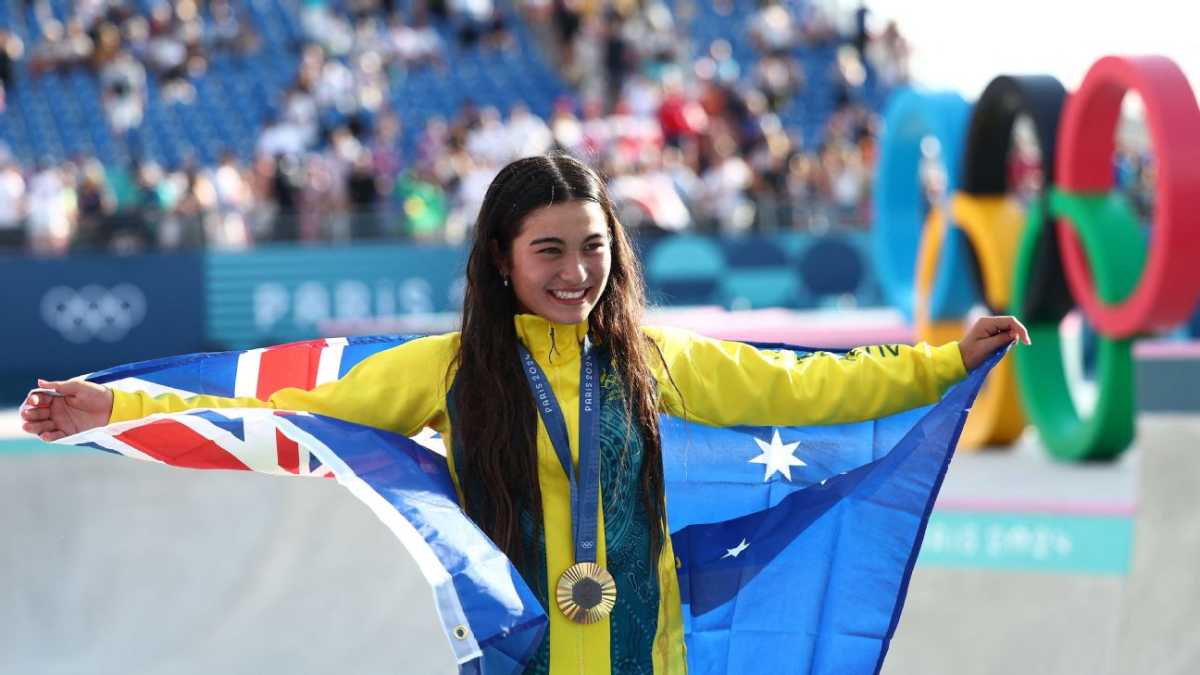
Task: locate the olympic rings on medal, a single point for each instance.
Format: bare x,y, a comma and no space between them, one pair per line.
93,312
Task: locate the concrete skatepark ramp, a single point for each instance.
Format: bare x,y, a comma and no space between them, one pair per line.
1143,620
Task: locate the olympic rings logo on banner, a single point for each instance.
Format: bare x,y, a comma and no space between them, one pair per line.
93,312
1079,242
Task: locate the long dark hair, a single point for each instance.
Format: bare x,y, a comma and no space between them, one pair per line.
496,423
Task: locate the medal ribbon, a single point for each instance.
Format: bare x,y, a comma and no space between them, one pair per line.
585,491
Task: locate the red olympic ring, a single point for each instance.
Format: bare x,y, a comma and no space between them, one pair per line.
1167,292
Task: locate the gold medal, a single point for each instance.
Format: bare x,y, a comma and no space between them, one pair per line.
586,593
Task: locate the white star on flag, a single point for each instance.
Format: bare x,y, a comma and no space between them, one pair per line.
778,456
736,550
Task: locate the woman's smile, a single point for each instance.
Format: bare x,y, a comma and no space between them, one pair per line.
569,297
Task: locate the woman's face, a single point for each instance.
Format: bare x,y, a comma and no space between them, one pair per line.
560,261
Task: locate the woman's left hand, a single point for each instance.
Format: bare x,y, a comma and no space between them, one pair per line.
987,335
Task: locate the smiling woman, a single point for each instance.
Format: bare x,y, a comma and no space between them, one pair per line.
560,261
549,401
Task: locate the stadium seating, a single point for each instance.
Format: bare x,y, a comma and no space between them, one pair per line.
59,115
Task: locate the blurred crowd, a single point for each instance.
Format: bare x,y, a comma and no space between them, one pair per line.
689,138
122,46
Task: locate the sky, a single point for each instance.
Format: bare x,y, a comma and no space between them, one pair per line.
962,45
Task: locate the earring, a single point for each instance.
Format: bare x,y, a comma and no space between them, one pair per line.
506,281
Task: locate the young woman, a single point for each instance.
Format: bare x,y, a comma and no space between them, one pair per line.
550,397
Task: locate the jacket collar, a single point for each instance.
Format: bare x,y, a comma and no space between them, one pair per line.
545,338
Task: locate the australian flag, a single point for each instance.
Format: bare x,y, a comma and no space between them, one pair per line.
795,545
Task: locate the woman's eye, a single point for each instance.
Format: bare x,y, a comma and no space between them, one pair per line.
553,250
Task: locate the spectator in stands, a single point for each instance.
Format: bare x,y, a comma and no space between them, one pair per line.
129,228
89,12
123,87
333,89
227,31
849,76
431,147
167,54
78,45
889,54
619,54
386,150
768,160
227,227
96,204
497,34
157,196
779,78
490,142
771,28
363,191
472,17
647,196
322,26
423,206
12,204
567,16
51,209
724,68
417,44
816,25
287,183
723,191
59,49
682,118
474,178
197,200
530,135
847,180
12,49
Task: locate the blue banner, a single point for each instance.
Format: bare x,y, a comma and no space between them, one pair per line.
79,314
281,294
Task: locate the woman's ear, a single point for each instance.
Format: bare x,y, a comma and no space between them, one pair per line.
498,259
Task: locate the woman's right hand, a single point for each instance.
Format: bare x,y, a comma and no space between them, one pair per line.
82,406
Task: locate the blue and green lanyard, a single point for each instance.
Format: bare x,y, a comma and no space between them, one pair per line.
585,489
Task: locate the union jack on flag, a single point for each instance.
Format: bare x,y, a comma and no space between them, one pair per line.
786,565
228,439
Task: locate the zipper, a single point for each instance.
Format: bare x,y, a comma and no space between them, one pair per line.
553,345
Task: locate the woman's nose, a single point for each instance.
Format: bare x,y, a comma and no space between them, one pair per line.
573,271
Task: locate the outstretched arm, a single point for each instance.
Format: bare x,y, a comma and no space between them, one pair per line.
723,383
401,389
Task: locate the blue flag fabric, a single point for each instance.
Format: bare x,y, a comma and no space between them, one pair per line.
795,544
806,575
487,595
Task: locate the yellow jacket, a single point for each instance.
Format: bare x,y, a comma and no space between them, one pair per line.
404,389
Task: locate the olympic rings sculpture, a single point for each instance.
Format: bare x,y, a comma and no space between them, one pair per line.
1078,244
